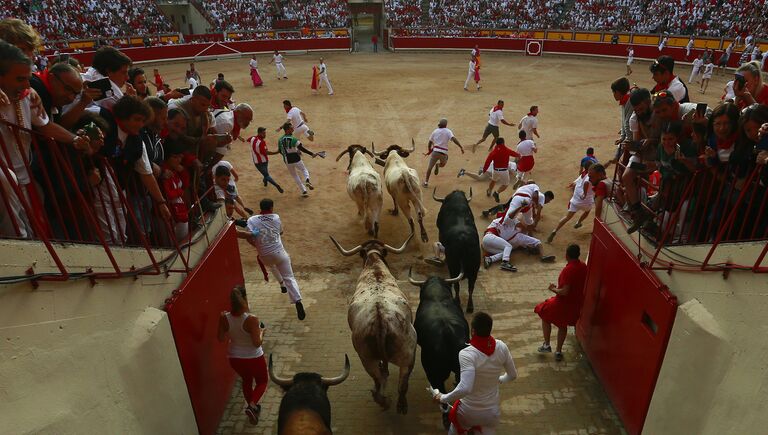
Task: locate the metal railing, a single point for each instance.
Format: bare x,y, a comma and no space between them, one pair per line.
54,194
712,206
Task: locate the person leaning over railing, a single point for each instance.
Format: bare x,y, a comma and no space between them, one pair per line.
15,72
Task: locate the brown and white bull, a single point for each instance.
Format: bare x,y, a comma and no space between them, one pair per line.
381,321
364,187
403,184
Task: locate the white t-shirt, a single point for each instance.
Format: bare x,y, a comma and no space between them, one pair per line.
631,54
278,58
729,95
480,377
268,240
254,64
192,83
142,166
440,138
224,123
526,148
709,69
495,117
228,166
294,117
697,63
8,112
471,66
677,88
582,189
322,69
527,124
507,230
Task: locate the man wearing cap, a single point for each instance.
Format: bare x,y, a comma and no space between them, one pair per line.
437,148
662,71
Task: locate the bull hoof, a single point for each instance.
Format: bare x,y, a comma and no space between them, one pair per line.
402,406
382,401
470,307
424,237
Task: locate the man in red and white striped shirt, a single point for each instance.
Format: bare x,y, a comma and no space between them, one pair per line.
260,154
500,157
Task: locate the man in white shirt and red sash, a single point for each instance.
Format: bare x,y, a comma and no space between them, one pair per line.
475,401
437,148
495,116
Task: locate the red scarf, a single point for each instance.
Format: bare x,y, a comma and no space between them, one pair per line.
45,78
726,144
485,345
663,85
531,114
495,108
288,109
623,100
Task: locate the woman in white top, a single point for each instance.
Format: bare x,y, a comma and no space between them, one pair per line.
245,353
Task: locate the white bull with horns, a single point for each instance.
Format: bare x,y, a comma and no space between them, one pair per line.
364,187
381,321
403,185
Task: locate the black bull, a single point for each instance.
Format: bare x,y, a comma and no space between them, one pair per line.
441,329
305,407
458,235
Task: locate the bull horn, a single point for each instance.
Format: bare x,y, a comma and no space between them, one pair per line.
343,251
470,195
283,382
435,197
455,279
342,154
375,153
413,281
401,249
369,151
329,382
413,146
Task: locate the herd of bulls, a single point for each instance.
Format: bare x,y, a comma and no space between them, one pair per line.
380,317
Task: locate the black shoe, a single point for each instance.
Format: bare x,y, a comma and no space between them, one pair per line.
548,259
283,289
241,223
300,310
496,197
249,211
279,189
505,265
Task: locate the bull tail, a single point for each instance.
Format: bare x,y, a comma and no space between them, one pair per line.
412,184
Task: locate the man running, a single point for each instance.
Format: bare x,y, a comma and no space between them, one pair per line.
475,401
495,116
298,120
277,58
264,233
437,148
260,155
500,159
290,148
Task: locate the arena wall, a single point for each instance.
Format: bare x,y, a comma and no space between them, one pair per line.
712,380
94,356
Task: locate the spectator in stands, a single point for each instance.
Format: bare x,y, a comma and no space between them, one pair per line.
15,72
662,71
754,90
58,87
620,89
22,35
199,122
643,147
138,80
175,181
232,123
111,63
225,190
222,95
151,134
722,133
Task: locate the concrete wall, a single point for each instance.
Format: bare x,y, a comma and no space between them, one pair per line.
77,358
183,16
713,379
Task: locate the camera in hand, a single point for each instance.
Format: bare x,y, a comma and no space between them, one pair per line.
104,85
739,81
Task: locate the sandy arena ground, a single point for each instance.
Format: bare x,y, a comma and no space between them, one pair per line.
391,98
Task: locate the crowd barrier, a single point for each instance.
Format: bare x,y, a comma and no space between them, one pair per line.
625,326
213,49
193,311
549,46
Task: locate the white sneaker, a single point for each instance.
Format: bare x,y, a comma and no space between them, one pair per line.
545,348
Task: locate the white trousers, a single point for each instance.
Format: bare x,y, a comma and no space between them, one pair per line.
324,79
110,212
501,249
281,72
279,264
694,75
487,419
297,170
470,77
301,130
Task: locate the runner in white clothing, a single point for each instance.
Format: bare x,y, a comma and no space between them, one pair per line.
277,58
688,48
583,199
630,59
437,148
323,73
264,231
471,74
486,175
696,69
495,117
502,236
298,120
485,364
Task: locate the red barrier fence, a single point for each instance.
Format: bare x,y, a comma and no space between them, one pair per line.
193,311
625,326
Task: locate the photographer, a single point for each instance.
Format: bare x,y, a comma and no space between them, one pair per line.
748,86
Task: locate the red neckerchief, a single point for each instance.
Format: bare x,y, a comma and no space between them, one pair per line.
265,212
485,345
624,99
214,103
663,85
531,114
288,109
495,108
727,143
45,78
164,133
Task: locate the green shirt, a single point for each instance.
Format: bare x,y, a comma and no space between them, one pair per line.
288,146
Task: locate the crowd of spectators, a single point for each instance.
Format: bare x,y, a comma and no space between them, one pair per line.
81,19
319,14
238,14
403,13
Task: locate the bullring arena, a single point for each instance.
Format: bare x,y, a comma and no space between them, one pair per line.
118,314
